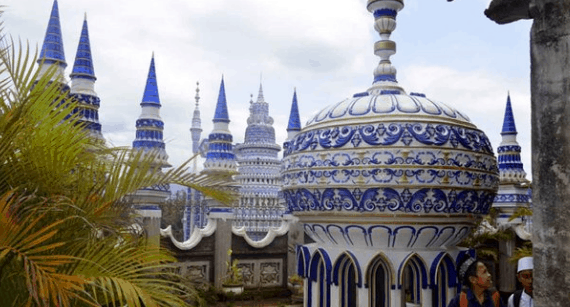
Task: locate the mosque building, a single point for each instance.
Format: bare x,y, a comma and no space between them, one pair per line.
382,185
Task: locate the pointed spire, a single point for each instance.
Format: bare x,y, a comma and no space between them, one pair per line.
294,120
150,96
509,121
260,97
221,114
83,65
52,48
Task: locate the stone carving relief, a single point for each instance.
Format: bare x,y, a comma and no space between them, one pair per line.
262,272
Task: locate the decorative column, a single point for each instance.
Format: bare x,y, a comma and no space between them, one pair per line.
385,12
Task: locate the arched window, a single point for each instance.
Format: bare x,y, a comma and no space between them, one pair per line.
378,280
347,276
321,284
413,278
443,280
320,270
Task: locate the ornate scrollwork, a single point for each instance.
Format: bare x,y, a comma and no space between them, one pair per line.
388,199
388,134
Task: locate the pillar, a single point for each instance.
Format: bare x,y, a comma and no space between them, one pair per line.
427,299
334,295
363,299
295,236
550,93
396,297
223,244
507,271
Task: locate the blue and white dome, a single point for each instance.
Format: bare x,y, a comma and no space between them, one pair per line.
386,169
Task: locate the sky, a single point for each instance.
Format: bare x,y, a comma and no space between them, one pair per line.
324,48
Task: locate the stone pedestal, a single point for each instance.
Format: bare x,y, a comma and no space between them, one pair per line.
550,80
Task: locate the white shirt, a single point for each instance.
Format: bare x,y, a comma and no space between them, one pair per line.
526,300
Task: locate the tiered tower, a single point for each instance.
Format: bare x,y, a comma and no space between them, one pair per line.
52,53
386,184
259,173
514,192
220,156
83,86
149,139
514,187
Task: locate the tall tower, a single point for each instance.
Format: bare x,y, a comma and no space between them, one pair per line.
196,129
83,83
52,53
259,173
513,193
149,138
513,186
194,213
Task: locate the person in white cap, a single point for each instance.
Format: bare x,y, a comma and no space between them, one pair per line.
524,274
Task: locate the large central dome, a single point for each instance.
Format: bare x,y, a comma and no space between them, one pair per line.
387,169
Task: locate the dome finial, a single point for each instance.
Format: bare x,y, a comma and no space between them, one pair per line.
385,12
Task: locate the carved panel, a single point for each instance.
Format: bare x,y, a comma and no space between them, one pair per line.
196,271
248,273
262,272
270,273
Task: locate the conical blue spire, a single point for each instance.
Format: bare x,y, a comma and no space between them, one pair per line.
150,96
509,121
83,65
52,49
294,120
221,114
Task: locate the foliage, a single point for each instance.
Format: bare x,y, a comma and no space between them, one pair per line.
64,228
233,276
172,213
521,212
485,242
295,279
521,252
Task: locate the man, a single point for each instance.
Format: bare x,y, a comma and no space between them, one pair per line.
477,291
524,274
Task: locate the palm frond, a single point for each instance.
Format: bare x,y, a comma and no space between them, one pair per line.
27,254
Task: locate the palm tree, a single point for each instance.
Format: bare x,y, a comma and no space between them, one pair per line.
64,236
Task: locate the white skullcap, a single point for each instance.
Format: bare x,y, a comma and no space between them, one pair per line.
525,264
